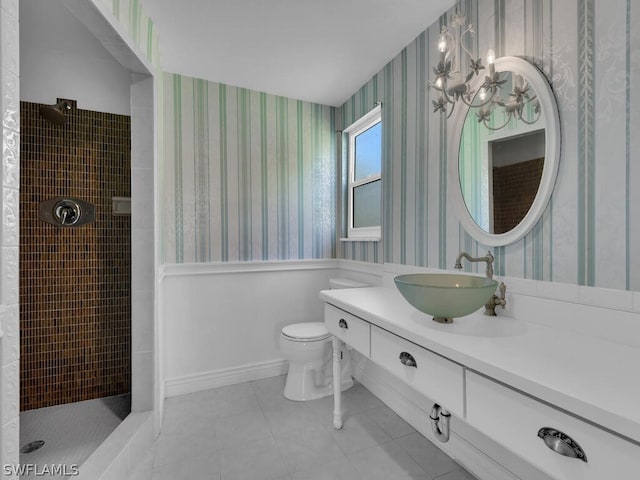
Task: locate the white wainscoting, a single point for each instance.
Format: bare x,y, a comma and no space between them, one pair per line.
222,321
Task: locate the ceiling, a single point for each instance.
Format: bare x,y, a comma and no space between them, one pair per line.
320,51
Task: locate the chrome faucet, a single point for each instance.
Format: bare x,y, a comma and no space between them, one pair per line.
494,301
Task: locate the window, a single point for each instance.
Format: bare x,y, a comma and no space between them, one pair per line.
364,181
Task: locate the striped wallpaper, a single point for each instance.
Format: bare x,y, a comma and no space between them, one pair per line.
247,175
590,53
250,176
139,26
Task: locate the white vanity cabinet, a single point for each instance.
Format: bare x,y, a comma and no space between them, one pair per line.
348,328
430,374
514,420
496,381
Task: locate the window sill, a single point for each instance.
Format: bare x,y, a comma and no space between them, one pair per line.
361,239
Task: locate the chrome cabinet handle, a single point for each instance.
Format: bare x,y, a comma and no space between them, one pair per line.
343,324
562,443
408,360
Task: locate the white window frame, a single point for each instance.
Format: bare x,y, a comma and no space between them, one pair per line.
373,233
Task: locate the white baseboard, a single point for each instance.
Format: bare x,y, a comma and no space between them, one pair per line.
412,407
221,378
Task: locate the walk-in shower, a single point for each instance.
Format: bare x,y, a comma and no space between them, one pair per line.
75,280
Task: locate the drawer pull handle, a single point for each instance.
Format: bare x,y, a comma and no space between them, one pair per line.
408,360
343,324
561,443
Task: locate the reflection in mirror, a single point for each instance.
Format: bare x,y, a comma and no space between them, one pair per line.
501,156
516,164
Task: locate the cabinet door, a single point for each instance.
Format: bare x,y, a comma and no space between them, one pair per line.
514,420
432,375
350,329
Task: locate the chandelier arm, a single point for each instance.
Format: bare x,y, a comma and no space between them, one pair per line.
466,102
488,101
520,117
468,29
443,92
479,105
500,127
447,97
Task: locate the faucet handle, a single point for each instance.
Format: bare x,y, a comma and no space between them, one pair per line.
503,291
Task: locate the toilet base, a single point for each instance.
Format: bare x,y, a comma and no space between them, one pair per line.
310,381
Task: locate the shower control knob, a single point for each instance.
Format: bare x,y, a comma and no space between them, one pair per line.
343,323
67,212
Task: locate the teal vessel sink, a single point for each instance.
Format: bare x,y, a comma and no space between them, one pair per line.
445,296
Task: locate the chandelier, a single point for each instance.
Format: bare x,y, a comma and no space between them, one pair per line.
454,86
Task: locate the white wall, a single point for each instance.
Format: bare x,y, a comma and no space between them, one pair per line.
60,58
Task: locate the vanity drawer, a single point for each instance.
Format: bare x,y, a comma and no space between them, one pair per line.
434,376
350,329
514,419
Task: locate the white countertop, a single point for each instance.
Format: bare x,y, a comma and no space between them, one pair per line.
589,377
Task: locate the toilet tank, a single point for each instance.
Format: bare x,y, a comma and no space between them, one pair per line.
337,283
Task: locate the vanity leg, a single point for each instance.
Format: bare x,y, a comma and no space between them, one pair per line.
337,384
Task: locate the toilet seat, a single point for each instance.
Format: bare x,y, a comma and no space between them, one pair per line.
306,332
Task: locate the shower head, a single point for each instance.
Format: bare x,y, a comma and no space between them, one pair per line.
55,113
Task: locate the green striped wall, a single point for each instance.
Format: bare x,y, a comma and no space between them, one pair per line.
248,176
589,51
277,155
138,25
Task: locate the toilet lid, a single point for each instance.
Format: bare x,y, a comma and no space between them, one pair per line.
306,331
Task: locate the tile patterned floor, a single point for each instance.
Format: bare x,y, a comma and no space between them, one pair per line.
251,432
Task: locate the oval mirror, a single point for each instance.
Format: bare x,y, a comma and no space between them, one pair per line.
504,153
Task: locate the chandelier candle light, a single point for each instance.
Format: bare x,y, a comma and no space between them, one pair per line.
453,87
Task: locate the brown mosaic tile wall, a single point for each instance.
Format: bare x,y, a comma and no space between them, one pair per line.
514,189
75,301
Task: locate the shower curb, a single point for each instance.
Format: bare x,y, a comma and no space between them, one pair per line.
118,456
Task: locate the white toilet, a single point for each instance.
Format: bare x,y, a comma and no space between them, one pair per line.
307,347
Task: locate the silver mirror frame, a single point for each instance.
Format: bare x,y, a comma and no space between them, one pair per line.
539,83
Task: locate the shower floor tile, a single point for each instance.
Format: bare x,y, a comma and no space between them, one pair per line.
71,432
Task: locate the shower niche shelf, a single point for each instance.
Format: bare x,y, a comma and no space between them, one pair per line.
66,212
